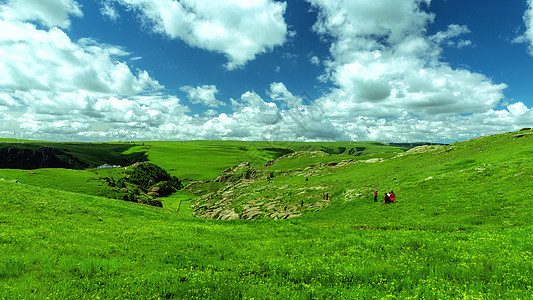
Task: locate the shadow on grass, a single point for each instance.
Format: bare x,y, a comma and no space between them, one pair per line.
69,156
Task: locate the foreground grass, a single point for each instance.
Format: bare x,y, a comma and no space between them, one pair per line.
64,245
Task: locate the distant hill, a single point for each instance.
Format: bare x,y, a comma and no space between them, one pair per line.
185,159
205,160
35,155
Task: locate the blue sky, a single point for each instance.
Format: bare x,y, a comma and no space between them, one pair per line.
393,71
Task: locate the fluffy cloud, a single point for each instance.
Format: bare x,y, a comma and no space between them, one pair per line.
49,13
84,116
203,94
279,92
52,86
452,31
452,128
49,60
385,65
88,116
252,109
6,101
238,29
367,19
527,37
315,60
107,10
447,36
254,118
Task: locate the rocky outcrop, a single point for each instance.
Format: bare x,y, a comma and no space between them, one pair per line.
420,149
345,163
148,201
372,160
240,171
228,214
249,213
226,203
161,189
297,154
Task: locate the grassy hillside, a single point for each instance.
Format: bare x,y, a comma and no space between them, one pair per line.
194,160
204,160
461,228
476,180
78,181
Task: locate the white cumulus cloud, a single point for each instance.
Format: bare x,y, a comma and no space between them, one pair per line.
385,65
240,30
527,36
58,116
31,58
279,92
205,94
49,13
52,86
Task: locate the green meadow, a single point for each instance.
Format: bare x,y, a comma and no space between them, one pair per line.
204,160
461,227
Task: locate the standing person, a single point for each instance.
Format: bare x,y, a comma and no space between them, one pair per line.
376,196
387,199
392,197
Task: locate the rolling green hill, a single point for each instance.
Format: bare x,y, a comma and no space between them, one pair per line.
204,160
468,177
461,227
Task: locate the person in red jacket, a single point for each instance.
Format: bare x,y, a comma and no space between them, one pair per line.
376,196
392,197
387,199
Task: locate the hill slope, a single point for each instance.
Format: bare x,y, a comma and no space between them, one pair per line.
461,183
461,229
204,160
35,155
196,160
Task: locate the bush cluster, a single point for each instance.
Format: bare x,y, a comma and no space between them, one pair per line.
146,175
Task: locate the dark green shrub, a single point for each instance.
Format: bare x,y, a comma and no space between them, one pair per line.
146,175
121,183
129,197
176,183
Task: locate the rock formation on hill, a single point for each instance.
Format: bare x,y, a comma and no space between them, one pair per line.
229,203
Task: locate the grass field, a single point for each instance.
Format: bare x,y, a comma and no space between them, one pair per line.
461,228
83,182
203,160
